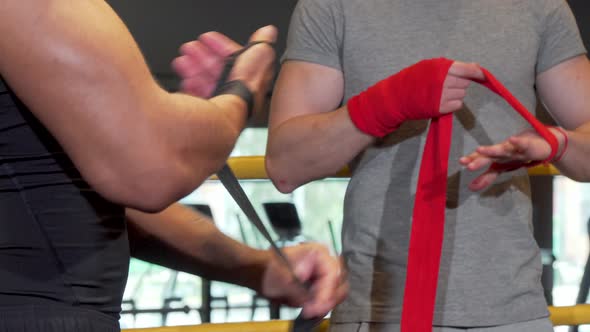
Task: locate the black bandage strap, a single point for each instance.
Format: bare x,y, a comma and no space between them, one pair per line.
236,87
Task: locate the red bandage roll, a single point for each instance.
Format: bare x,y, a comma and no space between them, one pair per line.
412,94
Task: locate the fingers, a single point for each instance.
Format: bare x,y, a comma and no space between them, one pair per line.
199,86
255,67
190,66
475,161
329,285
504,150
451,99
466,70
483,181
265,34
456,84
455,94
524,147
183,66
278,283
315,266
202,61
218,43
205,55
451,106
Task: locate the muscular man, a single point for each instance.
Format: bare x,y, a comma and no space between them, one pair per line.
490,268
88,137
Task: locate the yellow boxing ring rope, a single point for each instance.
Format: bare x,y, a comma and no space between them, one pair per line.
570,315
252,168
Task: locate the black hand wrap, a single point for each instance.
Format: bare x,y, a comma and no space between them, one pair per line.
236,87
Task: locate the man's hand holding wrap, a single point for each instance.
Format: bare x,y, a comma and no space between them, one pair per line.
412,94
202,61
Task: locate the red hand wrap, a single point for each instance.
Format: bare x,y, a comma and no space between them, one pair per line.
493,84
412,94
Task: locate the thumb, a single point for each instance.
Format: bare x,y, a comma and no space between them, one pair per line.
521,143
265,34
298,290
304,266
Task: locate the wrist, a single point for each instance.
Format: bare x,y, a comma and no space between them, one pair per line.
414,93
562,140
254,272
238,88
232,108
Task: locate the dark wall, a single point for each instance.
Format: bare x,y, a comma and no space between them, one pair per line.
161,26
581,9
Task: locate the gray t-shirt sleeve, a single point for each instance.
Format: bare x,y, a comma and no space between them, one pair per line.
560,37
315,33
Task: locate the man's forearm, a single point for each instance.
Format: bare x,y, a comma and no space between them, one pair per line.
312,146
575,163
184,240
565,91
182,122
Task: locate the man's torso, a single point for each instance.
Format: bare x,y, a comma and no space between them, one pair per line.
61,244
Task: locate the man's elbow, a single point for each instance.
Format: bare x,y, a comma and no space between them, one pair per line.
280,176
146,195
148,190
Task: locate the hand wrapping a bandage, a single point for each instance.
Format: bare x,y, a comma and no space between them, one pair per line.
202,61
412,94
526,146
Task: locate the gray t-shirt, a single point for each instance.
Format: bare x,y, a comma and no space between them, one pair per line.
490,268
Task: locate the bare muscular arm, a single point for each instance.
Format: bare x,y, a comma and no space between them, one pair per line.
78,69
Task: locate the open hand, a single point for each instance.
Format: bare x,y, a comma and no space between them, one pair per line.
523,147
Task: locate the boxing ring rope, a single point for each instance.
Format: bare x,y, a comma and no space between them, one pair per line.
267,326
567,315
570,315
252,168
